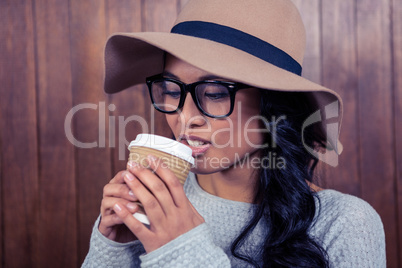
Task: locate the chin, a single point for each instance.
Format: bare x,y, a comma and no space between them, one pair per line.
200,167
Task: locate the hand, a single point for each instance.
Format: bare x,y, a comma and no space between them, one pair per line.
111,225
166,205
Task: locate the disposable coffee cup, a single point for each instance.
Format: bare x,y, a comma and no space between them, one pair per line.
171,154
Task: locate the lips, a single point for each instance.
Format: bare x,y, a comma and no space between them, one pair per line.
198,145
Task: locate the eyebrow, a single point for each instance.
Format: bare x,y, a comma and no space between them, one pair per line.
202,78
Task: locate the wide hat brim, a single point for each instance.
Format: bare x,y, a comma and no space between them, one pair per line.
131,57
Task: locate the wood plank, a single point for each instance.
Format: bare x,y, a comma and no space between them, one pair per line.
131,103
93,165
1,187
311,16
339,70
58,207
376,119
159,16
19,135
397,75
2,175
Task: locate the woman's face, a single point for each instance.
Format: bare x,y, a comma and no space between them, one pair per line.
217,144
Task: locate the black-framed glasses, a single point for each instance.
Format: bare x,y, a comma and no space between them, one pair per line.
213,98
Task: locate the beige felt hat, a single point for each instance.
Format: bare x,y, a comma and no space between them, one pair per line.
256,42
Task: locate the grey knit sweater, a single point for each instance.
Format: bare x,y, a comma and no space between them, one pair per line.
347,227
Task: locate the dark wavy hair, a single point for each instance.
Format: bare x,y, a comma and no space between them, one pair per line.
286,206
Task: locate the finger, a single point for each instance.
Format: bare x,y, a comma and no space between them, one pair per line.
109,221
108,203
156,186
135,226
170,180
148,200
119,190
118,178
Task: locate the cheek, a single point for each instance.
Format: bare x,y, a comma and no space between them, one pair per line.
248,123
238,132
253,134
223,134
173,122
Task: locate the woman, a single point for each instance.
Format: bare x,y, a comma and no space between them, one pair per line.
251,121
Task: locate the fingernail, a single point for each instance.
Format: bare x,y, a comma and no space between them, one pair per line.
132,164
117,207
131,193
129,176
131,206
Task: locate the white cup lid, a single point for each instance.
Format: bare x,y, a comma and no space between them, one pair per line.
163,144
142,218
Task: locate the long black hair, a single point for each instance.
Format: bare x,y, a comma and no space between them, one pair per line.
286,206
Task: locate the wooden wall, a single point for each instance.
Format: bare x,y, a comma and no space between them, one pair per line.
51,61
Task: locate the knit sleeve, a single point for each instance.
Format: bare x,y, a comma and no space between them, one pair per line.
354,235
104,252
192,249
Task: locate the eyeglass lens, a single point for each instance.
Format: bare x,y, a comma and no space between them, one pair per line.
212,98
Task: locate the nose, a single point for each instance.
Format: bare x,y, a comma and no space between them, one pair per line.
190,115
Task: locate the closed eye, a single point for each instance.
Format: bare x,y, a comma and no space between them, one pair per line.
216,96
171,94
